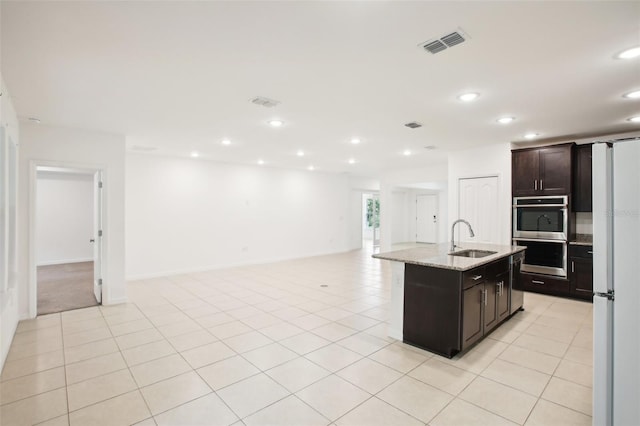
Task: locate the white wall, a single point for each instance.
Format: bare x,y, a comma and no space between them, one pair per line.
400,216
9,291
188,215
57,146
484,161
64,218
390,182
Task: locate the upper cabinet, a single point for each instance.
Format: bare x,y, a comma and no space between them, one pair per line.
541,171
582,185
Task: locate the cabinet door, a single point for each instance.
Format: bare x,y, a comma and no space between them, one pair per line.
502,286
472,300
524,172
490,305
581,277
582,185
555,170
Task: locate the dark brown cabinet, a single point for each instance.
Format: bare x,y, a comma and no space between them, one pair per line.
472,327
447,311
581,271
541,171
545,284
502,297
582,184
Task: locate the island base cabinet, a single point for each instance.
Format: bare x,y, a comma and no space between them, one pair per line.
448,311
472,300
431,309
503,306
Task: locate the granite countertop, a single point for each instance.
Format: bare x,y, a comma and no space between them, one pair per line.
437,255
582,240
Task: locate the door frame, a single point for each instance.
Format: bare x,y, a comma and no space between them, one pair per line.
33,262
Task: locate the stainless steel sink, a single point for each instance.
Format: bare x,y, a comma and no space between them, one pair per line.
472,253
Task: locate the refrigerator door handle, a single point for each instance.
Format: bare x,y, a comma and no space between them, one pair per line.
610,295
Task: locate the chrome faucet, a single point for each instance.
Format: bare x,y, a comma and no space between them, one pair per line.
453,245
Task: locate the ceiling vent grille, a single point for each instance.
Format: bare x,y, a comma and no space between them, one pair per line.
413,125
435,46
265,102
453,38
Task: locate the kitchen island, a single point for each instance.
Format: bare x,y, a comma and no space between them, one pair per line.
445,301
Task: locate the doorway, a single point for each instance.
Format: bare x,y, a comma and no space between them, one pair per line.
427,218
370,220
68,238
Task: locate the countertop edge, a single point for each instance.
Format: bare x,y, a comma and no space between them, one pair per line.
434,261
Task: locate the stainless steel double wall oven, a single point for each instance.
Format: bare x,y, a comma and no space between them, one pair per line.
541,224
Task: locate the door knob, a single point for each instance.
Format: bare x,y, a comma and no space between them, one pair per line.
92,240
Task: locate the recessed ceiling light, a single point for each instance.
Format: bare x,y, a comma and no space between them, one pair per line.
260,162
226,142
311,168
352,161
531,135
300,153
406,152
629,53
635,119
355,141
468,97
195,154
505,120
276,123
632,95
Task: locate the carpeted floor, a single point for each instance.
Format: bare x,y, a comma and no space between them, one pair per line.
65,287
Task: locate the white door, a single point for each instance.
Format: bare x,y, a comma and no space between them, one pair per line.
478,204
97,236
427,218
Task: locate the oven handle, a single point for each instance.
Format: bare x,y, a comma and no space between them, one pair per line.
518,206
541,240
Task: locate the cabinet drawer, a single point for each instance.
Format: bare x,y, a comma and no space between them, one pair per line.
473,277
545,284
581,251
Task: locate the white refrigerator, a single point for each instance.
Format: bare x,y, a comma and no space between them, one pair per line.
616,286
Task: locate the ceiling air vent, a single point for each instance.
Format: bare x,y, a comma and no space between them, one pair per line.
413,125
453,39
265,102
441,43
435,46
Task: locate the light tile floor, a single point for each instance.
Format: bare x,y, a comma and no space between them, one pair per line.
301,342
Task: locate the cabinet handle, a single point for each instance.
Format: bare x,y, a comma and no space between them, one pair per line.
535,184
590,252
573,269
484,293
537,282
540,184
477,277
501,287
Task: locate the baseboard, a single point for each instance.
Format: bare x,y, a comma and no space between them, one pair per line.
228,265
115,301
61,262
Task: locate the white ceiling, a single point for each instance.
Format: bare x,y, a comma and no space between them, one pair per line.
178,76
